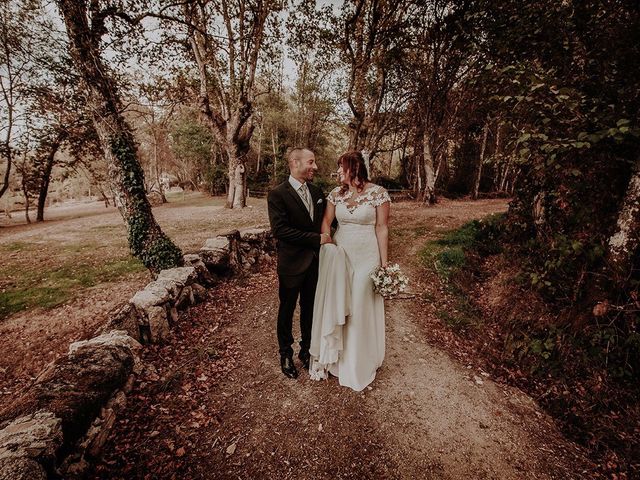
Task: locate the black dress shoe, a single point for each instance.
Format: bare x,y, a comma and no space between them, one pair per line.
305,358
288,368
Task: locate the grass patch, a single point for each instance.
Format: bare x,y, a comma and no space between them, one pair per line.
447,254
49,288
16,246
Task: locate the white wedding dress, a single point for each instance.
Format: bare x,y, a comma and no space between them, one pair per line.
347,337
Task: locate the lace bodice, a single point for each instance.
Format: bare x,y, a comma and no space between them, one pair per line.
373,196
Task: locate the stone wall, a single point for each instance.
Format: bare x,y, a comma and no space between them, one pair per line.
149,314
61,422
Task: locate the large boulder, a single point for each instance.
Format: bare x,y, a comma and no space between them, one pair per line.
75,388
152,295
116,338
157,318
204,276
47,423
180,276
21,468
156,304
261,236
255,245
220,253
28,446
124,317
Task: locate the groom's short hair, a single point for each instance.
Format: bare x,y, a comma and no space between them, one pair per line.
296,154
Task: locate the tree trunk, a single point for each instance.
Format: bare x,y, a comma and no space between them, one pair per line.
46,177
25,193
275,156
163,197
429,193
418,159
236,197
259,150
512,181
230,120
7,172
438,168
478,175
497,155
146,240
623,244
504,176
6,148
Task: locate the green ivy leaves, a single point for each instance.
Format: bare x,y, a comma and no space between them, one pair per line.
146,240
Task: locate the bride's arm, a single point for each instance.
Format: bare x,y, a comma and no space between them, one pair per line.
327,220
382,231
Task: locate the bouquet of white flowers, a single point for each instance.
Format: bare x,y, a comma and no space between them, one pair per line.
389,281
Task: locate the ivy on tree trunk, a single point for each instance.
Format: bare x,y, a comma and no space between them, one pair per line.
147,241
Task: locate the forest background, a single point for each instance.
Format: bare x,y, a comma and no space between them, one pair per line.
125,100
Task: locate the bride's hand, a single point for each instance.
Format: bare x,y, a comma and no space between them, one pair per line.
325,238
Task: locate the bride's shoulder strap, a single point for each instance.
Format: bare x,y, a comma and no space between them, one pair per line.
380,195
333,195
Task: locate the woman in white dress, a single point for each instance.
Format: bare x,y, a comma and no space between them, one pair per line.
351,348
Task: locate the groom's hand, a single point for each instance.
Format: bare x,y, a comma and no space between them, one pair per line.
325,238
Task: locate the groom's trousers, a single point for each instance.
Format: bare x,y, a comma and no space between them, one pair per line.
290,288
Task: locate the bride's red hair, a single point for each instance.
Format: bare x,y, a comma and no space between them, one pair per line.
353,162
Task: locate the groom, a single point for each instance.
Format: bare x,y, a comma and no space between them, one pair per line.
296,207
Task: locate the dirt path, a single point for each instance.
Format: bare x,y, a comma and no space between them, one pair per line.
212,403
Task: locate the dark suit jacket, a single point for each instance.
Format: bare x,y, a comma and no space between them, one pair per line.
298,237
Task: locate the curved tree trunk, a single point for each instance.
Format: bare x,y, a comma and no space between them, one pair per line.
146,240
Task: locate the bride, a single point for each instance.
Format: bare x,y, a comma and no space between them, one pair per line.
348,317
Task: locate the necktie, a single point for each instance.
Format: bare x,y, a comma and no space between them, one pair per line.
304,194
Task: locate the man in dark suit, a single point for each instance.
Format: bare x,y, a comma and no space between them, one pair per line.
296,207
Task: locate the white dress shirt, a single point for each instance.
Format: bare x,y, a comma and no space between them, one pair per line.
297,185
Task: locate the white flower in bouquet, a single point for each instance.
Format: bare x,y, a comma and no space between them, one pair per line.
389,281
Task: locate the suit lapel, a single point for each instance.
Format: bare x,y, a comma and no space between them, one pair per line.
298,200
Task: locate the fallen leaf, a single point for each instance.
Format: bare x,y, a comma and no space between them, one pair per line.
231,448
180,452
